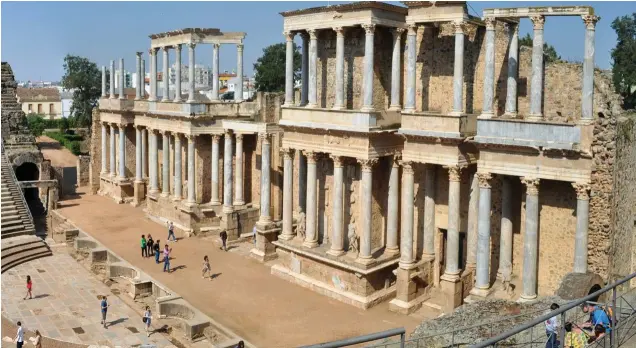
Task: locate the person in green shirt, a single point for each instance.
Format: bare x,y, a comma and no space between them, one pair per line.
144,251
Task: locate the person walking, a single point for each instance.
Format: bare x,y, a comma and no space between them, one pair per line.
104,306
206,267
38,339
147,320
157,251
254,234
551,329
19,337
166,258
223,236
149,246
144,251
29,285
171,231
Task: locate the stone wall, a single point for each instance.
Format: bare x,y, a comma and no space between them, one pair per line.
83,164
13,118
95,153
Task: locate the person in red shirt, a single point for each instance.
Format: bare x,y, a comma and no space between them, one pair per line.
29,288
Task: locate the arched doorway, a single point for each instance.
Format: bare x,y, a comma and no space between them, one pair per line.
28,171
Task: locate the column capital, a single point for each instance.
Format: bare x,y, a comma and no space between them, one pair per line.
190,137
239,136
582,191
397,32
264,137
163,132
177,47
368,28
289,35
216,45
532,185
459,26
191,45
166,48
338,161
484,179
287,153
454,173
339,31
412,29
313,34
138,54
512,28
537,22
216,138
311,156
228,132
138,126
152,51
397,159
407,167
367,164
490,23
239,47
590,21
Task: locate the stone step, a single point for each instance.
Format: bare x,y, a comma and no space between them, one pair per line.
8,229
15,260
25,232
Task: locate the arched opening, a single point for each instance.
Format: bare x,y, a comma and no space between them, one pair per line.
594,289
29,171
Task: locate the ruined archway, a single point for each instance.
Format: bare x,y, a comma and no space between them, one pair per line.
29,171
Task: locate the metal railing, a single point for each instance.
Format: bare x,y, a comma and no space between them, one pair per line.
17,184
362,339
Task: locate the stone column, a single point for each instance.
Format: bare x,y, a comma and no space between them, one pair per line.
138,165
396,69
104,149
191,84
513,69
536,85
582,221
215,71
153,74
458,70
406,255
304,74
178,169
265,181
302,181
177,73
112,80
144,151
165,166
238,90
215,170
227,172
340,91
409,104
451,273
392,247
313,61
489,71
429,213
154,162
366,186
505,241
122,151
471,237
142,78
311,238
138,82
122,79
482,279
337,241
191,171
289,68
367,78
530,240
103,81
113,165
238,166
587,97
288,199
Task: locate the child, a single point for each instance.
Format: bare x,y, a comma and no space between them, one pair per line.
144,251
29,288
166,258
149,247
157,251
206,267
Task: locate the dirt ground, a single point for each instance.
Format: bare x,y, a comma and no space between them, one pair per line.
262,308
56,153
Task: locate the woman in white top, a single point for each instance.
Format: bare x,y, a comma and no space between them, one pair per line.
147,320
38,339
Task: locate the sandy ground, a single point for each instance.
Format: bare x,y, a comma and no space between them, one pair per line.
244,296
56,153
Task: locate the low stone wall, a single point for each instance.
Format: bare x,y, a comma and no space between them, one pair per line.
83,170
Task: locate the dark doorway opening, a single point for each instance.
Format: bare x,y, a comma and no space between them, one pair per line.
594,289
29,171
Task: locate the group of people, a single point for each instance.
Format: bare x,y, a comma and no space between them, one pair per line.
150,248
593,329
19,337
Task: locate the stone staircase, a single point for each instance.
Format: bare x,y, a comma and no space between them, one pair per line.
21,249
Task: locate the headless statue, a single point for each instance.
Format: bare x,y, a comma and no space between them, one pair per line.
353,239
300,226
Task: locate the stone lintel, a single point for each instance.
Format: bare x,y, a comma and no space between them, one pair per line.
38,184
246,127
343,120
427,150
522,12
437,125
516,132
196,36
116,118
440,11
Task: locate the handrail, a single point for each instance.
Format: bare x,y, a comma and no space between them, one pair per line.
362,339
15,180
561,310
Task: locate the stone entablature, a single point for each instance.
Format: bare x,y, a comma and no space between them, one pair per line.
340,120
520,12
182,110
438,11
195,36
437,125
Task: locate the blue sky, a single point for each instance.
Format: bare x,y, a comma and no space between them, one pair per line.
37,35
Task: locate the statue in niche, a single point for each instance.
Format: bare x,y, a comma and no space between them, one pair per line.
184,188
353,238
300,225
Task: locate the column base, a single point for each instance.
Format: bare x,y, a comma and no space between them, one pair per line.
395,108
228,209
152,99
286,236
265,251
510,114
527,298
177,100
367,109
311,106
238,203
335,253
452,289
189,203
585,121
456,113
337,108
365,260
451,277
310,244
165,194
486,115
166,101
408,110
190,101
392,251
406,301
176,198
480,293
535,117
139,188
213,202
428,257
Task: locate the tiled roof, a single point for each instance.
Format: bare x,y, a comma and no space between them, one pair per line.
38,94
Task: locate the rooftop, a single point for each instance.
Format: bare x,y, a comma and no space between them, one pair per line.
38,94
348,7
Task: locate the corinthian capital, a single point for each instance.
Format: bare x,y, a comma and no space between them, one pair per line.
538,22
590,21
407,167
490,23
454,173
311,156
484,179
313,34
532,185
459,26
582,191
337,160
369,28
367,164
287,153
289,35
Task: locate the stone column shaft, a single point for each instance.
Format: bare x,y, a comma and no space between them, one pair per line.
536,85
142,78
340,92
396,70
153,74
122,151
191,171
144,151
103,81
505,241
458,70
367,78
113,164
337,241
406,248
366,187
288,199
154,159
122,79
393,205
238,166
166,75
289,68
215,170
138,69
227,172
587,97
409,104
177,79
473,211
302,181
313,62
513,68
489,71
582,222
104,149
165,166
429,212
482,279
530,240
311,240
112,80
178,182
238,91
191,82
265,181
215,71
138,165
304,74
452,235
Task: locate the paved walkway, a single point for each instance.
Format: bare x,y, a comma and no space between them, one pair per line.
65,305
55,152
245,297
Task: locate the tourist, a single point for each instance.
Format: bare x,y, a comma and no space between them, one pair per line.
147,319
19,337
38,339
157,251
597,317
223,236
254,234
241,344
574,338
104,306
166,258
206,267
551,329
599,332
144,251
149,245
171,231
29,284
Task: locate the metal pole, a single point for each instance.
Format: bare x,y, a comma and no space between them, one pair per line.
402,340
613,326
562,329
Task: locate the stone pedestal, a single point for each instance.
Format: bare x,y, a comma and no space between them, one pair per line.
266,233
406,300
140,193
229,223
453,294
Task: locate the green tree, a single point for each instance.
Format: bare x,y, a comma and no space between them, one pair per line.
624,59
270,68
64,126
85,78
36,125
549,52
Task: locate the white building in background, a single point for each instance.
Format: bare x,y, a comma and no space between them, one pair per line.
248,86
128,76
67,102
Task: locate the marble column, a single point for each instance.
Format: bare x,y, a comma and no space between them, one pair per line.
304,72
482,276
311,238
191,170
582,222
337,241
505,240
587,97
104,149
473,211
458,70
530,240
138,165
392,247
215,71
165,165
536,84
227,172
103,81
266,161
313,62
153,74
396,69
138,69
142,78
178,168
489,70
238,167
215,170
113,164
406,248
154,162
451,272
122,79
238,90
191,84
122,151
177,73
288,192
513,70
340,48
367,77
144,151
429,213
166,74
112,80
289,68
411,45
302,181
366,188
